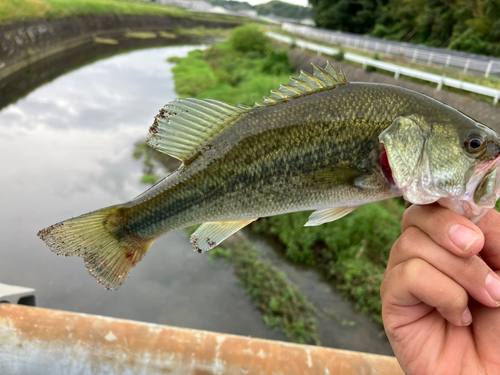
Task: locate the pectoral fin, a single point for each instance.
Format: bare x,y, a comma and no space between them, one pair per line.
209,235
330,214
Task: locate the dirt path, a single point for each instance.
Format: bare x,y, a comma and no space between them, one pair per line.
477,109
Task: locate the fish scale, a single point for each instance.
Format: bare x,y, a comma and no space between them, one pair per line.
318,143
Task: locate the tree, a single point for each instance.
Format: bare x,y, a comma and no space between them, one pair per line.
356,16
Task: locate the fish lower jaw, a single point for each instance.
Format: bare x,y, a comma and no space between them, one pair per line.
465,208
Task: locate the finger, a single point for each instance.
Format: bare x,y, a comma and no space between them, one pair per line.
487,327
412,289
471,273
490,226
447,228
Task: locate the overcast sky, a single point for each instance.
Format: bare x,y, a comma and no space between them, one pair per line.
296,2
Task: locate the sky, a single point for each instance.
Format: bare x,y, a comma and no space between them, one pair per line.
296,2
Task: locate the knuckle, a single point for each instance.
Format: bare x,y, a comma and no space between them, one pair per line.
411,269
407,240
407,217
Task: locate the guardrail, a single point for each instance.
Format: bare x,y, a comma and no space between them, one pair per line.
38,341
468,63
396,69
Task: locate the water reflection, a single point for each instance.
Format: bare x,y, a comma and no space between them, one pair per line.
66,149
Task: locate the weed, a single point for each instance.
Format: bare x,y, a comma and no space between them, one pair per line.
282,305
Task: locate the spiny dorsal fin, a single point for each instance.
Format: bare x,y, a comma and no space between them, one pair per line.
181,127
322,79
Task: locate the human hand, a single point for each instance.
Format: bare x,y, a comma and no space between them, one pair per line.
440,293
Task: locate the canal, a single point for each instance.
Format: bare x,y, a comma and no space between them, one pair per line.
66,149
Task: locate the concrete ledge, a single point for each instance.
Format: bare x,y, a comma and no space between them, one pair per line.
42,341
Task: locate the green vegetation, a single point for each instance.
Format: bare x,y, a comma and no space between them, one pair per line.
352,16
141,34
232,4
237,71
18,10
464,25
202,32
282,9
249,39
283,307
352,252
274,7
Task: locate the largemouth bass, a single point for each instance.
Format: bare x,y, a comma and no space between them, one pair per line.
318,143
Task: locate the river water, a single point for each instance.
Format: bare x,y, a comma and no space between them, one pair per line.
66,148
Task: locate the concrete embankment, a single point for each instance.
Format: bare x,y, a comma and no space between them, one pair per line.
22,43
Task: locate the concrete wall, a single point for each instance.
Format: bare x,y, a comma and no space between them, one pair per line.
22,43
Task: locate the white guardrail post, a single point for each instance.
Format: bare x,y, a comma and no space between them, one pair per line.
397,69
488,69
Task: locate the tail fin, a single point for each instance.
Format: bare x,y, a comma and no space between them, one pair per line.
98,237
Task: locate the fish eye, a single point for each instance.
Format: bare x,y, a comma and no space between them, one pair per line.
474,143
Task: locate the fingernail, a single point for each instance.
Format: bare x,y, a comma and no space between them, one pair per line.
466,317
462,236
493,287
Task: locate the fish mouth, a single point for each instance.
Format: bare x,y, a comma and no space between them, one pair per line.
386,168
482,172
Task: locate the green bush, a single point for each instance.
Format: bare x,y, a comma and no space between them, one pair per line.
193,75
277,63
250,39
174,59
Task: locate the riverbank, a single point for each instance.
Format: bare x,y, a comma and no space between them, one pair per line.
22,10
37,31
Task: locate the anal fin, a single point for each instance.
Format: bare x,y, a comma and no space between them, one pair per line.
209,235
329,214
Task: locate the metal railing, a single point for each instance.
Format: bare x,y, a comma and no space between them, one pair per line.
396,69
36,341
467,63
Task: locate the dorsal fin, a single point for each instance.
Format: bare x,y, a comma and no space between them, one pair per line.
322,79
183,126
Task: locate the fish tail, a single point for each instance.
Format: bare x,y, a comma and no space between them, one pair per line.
102,240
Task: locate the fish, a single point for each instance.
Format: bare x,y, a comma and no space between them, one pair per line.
319,143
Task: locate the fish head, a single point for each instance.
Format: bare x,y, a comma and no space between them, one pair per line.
451,160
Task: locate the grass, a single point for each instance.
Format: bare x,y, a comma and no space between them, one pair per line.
20,10
141,34
202,32
351,252
105,40
222,73
282,305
